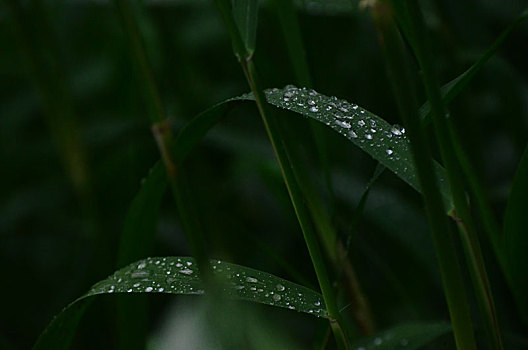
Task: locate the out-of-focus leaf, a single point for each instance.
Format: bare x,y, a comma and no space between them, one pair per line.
515,240
245,13
408,337
455,86
179,275
140,222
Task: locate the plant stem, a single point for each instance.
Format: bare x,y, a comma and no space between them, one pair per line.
303,215
398,69
162,132
463,214
301,211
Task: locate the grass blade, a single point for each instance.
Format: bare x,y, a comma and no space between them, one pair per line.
245,13
408,336
137,241
398,68
140,222
455,86
288,171
350,120
384,142
179,275
462,214
514,239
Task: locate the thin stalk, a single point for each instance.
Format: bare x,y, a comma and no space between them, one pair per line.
291,31
164,137
300,208
294,190
488,217
397,64
334,248
463,214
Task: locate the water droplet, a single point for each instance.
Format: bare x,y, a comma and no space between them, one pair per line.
311,102
148,289
397,130
368,136
389,151
140,274
129,290
189,263
317,303
179,265
378,341
142,265
352,134
251,280
343,124
161,289
280,287
373,131
137,284
186,271
314,109
361,122
253,288
276,297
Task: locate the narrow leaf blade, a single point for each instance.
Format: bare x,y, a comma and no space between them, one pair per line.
455,86
179,275
515,239
384,142
245,13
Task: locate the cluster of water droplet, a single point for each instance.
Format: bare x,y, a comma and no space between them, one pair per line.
348,119
180,276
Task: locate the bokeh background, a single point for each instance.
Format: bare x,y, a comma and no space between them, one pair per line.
75,143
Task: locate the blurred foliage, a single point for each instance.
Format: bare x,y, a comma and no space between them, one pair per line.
71,109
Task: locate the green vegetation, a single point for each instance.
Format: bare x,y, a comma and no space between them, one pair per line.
247,207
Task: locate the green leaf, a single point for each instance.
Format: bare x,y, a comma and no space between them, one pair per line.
384,142
194,131
245,14
136,243
455,86
408,337
140,222
179,275
515,239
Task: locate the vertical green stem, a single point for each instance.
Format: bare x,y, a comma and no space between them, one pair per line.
403,87
453,169
163,136
303,215
289,23
296,196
